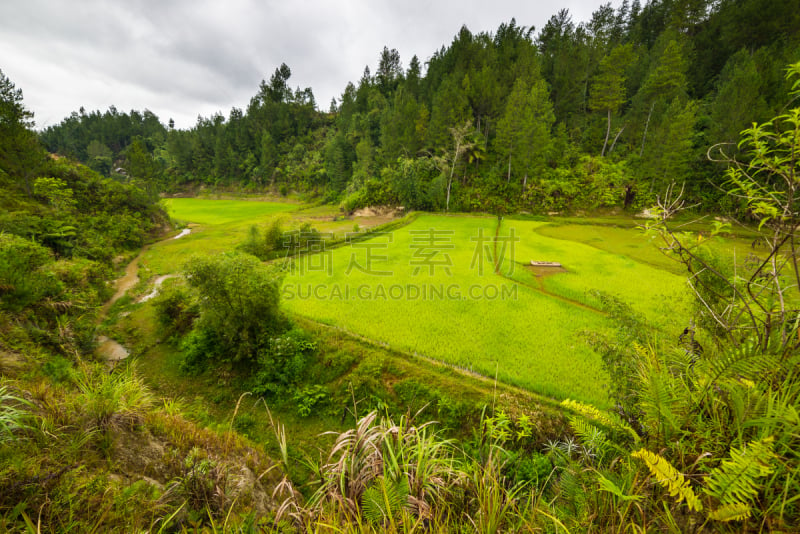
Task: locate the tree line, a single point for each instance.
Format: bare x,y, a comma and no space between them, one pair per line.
603,113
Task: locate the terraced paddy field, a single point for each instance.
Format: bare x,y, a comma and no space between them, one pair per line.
214,226
458,289
431,288
657,293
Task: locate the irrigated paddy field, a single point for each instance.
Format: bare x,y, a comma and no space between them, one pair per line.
460,288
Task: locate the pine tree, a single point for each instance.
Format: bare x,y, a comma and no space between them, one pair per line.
20,152
450,108
523,133
390,71
739,101
608,86
669,157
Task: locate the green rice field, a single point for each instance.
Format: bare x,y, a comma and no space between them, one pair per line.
658,294
207,211
430,288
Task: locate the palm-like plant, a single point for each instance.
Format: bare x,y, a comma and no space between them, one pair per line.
110,400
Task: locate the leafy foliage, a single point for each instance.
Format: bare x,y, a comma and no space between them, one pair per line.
734,481
670,478
619,87
239,299
731,512
384,499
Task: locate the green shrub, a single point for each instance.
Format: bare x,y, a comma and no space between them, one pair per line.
175,308
238,302
23,278
534,469
199,347
59,369
308,397
244,424
283,361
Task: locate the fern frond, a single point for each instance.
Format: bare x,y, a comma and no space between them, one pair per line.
572,492
745,362
384,499
657,400
670,478
607,485
731,512
605,418
588,434
735,480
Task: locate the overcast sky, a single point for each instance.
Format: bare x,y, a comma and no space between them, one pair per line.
184,58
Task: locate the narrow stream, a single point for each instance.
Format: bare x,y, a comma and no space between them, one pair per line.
157,285
108,349
111,351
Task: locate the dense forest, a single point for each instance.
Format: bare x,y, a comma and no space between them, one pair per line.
671,106
570,116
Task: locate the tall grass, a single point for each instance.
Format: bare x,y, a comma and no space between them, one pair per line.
13,415
118,399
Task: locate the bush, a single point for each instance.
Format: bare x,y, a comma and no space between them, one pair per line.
308,397
534,469
23,279
283,361
199,347
59,369
278,242
175,309
239,298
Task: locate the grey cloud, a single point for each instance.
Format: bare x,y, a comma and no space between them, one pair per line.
181,58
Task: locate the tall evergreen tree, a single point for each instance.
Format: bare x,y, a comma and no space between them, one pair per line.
523,133
665,81
390,71
20,152
739,101
669,157
607,92
450,108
